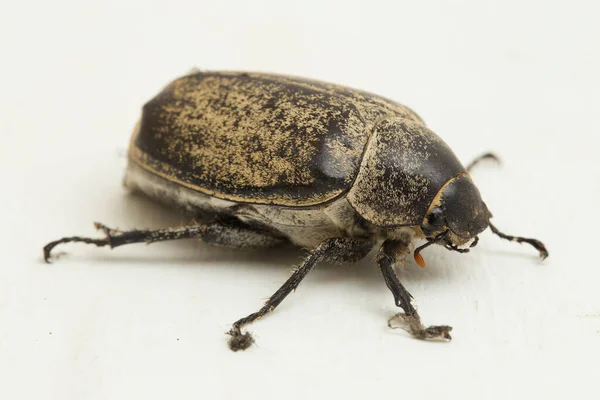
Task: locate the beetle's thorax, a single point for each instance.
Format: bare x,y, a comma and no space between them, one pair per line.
404,167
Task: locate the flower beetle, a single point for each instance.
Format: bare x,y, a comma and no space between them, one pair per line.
265,160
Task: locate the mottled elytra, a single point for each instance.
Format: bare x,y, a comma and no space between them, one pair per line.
265,160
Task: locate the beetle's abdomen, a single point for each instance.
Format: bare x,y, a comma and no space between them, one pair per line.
258,138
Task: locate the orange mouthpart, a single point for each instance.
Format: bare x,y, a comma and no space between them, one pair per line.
419,260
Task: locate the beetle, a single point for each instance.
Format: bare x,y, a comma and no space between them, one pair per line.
264,160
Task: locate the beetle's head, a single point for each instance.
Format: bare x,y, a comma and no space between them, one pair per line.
456,216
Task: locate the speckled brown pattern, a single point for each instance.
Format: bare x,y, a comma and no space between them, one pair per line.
259,138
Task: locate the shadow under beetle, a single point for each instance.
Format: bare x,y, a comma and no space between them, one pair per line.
264,160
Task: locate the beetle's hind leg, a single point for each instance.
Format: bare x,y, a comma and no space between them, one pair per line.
536,244
396,251
335,249
223,233
486,156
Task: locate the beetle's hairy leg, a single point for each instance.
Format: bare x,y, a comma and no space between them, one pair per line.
335,249
223,233
392,252
486,156
539,246
115,238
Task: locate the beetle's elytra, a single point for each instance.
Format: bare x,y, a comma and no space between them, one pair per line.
266,160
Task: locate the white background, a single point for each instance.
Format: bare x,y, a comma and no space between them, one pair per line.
520,78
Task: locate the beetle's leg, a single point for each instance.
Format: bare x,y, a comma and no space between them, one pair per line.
486,156
335,249
230,233
539,246
395,251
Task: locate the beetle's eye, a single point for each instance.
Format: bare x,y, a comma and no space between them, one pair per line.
435,218
434,222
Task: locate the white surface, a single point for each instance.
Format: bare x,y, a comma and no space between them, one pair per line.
518,78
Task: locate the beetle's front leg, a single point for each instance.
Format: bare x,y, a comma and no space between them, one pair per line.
396,251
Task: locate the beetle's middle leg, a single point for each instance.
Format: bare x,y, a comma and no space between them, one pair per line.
335,249
396,251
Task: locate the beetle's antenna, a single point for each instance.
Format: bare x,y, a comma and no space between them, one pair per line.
454,247
417,255
539,246
486,156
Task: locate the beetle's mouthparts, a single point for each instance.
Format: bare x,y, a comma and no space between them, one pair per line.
453,247
419,258
417,255
450,246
